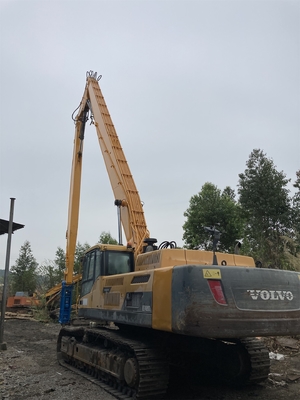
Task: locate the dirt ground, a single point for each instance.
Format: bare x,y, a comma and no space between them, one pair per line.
29,370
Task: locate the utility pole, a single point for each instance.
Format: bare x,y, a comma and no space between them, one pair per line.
3,345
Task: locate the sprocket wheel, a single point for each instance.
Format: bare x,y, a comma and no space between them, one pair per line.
131,372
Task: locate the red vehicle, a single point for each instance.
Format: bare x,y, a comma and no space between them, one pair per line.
22,300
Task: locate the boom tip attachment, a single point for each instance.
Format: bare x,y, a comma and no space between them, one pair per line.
92,74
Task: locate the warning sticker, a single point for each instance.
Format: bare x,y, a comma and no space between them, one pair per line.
212,274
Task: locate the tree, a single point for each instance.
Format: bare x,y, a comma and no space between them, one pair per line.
47,276
79,253
211,207
60,262
296,204
229,192
293,239
265,201
24,272
52,272
60,259
106,238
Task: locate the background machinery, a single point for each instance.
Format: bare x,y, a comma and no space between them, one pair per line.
146,309
22,300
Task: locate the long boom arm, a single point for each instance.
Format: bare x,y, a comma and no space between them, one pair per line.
123,186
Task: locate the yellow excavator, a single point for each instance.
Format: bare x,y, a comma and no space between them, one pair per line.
145,309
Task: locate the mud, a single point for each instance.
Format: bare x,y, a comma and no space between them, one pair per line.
29,370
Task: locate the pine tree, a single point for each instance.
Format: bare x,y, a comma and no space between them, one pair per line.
265,200
24,272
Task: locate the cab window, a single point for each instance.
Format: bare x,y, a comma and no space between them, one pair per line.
88,273
118,262
98,263
91,266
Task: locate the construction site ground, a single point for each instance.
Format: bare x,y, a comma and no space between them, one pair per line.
29,370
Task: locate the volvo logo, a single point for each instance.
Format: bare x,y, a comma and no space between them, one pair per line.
270,294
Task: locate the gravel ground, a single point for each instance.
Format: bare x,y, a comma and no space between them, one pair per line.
29,370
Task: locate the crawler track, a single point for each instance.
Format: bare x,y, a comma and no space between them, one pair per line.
244,362
259,359
86,373
128,366
143,373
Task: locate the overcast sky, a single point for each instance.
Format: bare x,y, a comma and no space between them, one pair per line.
192,88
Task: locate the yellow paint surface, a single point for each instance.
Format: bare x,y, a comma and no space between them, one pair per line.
162,299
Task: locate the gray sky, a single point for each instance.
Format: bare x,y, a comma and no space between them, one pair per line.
192,87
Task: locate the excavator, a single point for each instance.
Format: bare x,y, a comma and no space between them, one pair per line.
147,309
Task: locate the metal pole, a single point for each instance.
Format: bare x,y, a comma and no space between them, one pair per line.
4,294
118,203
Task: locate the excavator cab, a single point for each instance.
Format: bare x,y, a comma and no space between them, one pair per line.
105,260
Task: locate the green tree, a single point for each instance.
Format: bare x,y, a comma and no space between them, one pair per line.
79,253
52,272
60,262
296,204
106,238
60,259
292,241
264,197
229,192
211,207
24,272
47,276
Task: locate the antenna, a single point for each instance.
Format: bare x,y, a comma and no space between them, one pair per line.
216,234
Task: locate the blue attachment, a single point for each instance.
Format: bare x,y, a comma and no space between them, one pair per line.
65,303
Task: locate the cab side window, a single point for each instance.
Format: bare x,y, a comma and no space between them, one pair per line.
88,273
98,263
85,267
91,266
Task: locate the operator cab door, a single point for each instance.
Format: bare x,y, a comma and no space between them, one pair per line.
92,269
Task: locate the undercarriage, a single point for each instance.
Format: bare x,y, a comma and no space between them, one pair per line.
131,363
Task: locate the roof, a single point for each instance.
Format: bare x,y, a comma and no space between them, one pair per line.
4,226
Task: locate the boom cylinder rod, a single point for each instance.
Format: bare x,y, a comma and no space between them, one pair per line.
118,203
